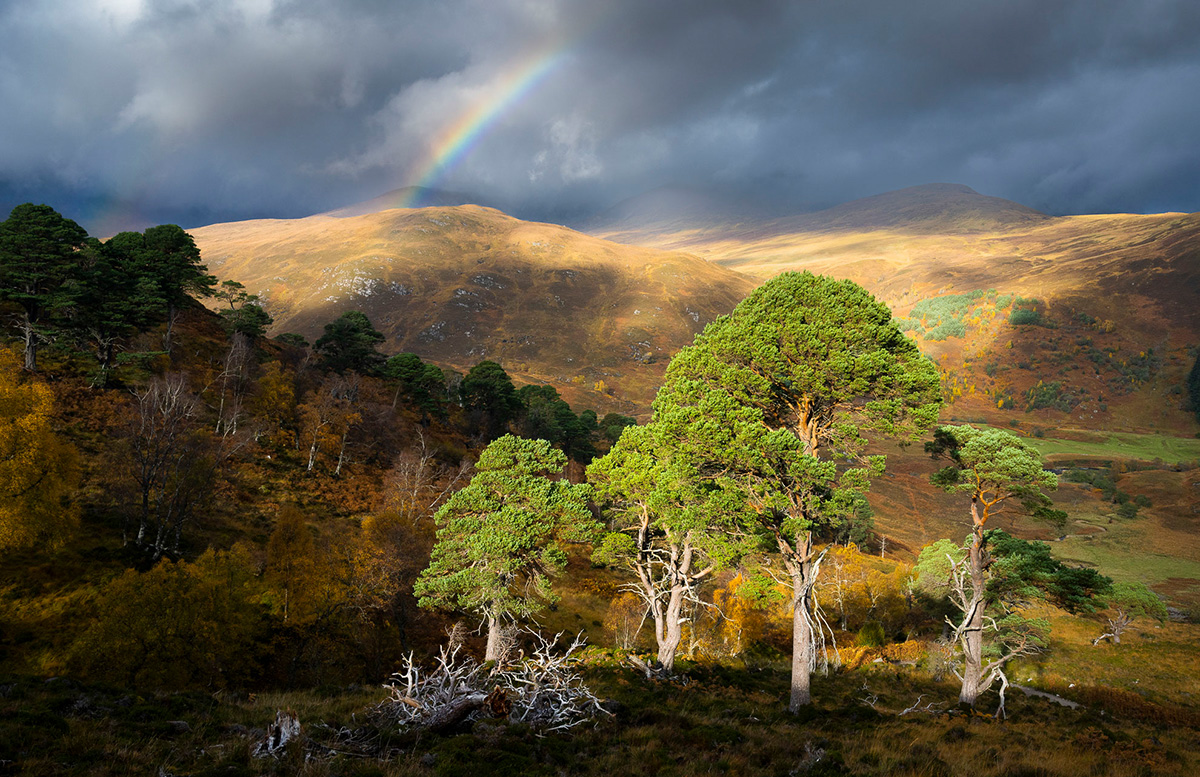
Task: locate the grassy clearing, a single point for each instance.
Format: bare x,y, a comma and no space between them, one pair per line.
1156,662
1121,445
1119,552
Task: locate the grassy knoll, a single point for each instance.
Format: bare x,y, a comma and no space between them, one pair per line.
1156,663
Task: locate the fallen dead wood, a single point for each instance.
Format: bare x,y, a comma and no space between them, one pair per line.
1044,695
285,729
653,671
543,690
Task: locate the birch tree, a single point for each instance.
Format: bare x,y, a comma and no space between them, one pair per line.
37,470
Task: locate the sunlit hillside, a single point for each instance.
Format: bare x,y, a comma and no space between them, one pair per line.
461,284
1114,295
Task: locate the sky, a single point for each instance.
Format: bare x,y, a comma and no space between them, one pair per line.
127,113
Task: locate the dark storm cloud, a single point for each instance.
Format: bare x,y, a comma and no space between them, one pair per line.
197,111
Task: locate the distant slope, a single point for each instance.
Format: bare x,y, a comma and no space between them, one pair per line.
937,207
667,209
1119,294
684,217
461,284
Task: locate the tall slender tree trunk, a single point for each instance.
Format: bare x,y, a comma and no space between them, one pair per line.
30,336
104,355
145,519
972,638
341,453
312,454
800,564
172,314
803,645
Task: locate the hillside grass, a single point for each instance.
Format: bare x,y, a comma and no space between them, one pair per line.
1156,661
1120,445
1122,553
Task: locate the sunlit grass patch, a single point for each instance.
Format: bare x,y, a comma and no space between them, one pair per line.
1121,445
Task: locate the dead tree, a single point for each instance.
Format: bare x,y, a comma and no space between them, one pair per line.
543,690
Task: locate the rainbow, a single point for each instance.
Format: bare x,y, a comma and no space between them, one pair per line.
459,138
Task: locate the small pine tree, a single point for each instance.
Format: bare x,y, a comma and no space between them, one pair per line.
501,538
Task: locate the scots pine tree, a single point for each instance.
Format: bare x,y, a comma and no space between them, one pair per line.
502,537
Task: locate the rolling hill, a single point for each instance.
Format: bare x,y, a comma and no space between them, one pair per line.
1114,296
459,284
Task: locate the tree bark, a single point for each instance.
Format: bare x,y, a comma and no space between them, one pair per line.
972,636
802,648
672,631
172,314
798,561
493,640
341,453
30,336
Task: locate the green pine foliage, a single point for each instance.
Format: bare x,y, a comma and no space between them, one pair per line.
489,395
768,399
504,536
349,345
1025,571
423,384
37,256
547,416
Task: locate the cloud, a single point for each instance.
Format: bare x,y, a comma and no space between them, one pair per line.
216,109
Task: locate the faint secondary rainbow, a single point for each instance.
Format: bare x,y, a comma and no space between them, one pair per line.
459,138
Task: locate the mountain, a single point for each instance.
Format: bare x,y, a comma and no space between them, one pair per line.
406,197
1115,294
937,207
669,209
675,214
460,284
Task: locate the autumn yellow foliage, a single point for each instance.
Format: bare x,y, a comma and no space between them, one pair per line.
37,470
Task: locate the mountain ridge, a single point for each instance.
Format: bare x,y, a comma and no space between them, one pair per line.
459,284
936,207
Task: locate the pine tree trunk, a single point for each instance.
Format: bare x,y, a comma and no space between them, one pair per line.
802,648
798,559
172,313
672,632
972,639
30,344
493,640
973,663
104,355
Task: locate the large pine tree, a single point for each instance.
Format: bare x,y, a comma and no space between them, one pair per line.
38,248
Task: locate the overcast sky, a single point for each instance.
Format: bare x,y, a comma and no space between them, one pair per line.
193,111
